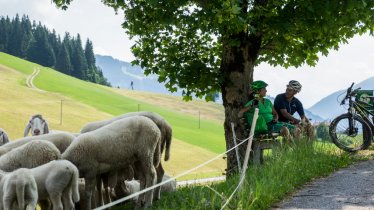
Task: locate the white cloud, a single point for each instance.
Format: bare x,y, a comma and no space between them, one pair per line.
352,63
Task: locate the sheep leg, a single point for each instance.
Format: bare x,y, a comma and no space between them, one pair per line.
56,201
89,189
8,201
99,185
160,174
148,179
67,198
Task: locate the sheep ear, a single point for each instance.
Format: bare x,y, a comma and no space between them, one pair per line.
5,138
27,129
46,129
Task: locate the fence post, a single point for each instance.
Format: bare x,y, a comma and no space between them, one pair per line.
61,113
236,148
138,107
249,146
199,119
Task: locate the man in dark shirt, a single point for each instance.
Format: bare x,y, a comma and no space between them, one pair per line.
286,104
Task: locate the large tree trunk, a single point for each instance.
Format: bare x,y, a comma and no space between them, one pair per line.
237,67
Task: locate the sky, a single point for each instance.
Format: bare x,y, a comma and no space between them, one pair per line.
353,62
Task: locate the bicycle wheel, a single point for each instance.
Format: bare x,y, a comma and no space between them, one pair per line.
350,133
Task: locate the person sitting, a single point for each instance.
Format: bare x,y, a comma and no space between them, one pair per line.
286,104
267,121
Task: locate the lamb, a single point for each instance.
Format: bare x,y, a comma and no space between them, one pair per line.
60,140
58,180
114,147
38,126
18,187
3,137
127,188
166,137
30,155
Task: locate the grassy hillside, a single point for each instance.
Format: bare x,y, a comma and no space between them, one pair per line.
84,102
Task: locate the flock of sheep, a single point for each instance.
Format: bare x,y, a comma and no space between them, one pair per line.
108,160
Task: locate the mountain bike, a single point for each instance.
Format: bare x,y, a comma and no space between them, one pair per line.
353,130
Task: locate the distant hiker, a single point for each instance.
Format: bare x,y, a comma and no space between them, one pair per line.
267,121
132,85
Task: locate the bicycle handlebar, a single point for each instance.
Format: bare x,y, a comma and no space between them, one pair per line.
350,93
349,90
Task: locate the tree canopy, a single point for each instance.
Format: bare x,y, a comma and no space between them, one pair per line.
205,46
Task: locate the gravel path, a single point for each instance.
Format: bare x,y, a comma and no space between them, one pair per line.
349,188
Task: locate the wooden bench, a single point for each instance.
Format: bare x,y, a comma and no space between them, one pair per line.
260,143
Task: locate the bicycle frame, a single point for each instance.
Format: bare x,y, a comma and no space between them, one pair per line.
358,108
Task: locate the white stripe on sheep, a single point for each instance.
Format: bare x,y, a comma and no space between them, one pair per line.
58,180
30,155
61,140
19,187
166,137
114,147
3,137
38,126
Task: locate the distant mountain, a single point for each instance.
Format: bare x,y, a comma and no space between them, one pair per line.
121,74
329,107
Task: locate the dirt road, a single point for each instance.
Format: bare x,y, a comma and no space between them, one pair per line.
349,188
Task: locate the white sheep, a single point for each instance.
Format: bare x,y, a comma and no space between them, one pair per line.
3,137
57,180
61,140
19,187
30,155
166,137
127,188
38,126
114,147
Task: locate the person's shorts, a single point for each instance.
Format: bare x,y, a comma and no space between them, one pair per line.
277,127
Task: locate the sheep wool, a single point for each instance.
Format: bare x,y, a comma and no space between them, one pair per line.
114,147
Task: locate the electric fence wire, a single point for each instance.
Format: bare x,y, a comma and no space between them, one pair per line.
169,180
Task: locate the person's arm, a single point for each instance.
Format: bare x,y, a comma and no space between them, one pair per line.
300,111
242,111
289,117
275,115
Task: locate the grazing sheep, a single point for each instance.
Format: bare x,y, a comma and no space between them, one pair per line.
127,188
114,147
3,137
37,125
166,137
30,155
57,180
18,187
169,186
61,140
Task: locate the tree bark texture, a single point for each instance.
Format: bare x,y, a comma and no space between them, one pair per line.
237,67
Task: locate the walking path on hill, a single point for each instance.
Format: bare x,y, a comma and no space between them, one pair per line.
349,188
30,79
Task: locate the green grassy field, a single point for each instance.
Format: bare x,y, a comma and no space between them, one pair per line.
84,102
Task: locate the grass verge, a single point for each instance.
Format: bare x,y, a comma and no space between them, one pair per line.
285,170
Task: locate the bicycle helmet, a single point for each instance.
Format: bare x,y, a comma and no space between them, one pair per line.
295,85
257,85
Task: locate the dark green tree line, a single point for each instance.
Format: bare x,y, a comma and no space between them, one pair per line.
36,43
